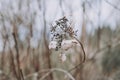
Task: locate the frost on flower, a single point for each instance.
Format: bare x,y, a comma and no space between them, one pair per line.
65,44
52,45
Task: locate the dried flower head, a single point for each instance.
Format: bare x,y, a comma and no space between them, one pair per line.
61,30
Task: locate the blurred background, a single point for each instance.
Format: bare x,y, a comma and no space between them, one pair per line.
25,35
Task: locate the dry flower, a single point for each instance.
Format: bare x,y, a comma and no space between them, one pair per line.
61,31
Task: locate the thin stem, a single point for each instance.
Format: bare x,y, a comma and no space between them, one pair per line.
49,71
84,58
57,69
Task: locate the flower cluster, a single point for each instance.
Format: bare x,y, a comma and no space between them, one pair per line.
61,31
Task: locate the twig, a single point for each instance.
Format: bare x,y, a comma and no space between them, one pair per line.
84,58
112,5
17,55
21,74
82,49
57,69
104,48
50,71
39,72
13,65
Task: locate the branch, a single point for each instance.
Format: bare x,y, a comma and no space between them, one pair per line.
50,71
84,58
57,69
20,74
113,45
112,5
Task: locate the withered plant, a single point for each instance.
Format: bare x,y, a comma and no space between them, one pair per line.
62,30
